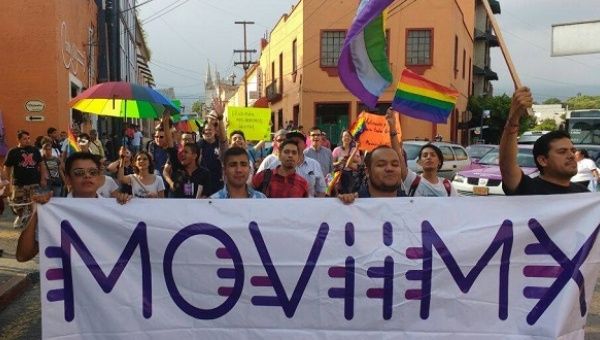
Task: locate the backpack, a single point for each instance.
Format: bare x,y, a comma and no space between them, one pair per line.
264,185
417,181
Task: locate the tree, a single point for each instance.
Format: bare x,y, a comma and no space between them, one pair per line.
499,107
546,125
197,106
580,102
551,101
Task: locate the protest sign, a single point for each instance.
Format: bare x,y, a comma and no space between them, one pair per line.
254,122
377,131
315,268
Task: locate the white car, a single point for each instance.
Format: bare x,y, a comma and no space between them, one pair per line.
455,157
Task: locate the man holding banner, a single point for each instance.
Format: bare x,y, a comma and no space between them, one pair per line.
83,175
237,171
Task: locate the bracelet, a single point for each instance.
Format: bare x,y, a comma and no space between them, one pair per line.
393,133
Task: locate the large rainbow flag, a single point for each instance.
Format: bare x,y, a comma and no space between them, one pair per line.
363,65
423,99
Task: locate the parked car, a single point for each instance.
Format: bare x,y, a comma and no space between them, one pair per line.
529,137
456,157
486,179
476,151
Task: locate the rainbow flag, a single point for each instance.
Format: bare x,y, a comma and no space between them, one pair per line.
358,127
336,178
363,65
423,99
72,141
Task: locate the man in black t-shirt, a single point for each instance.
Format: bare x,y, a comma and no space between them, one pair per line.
214,144
554,156
25,172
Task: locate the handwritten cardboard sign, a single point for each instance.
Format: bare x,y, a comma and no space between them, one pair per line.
254,122
377,132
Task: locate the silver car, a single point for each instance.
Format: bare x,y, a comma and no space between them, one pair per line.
455,157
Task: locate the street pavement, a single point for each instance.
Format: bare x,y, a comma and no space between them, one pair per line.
20,310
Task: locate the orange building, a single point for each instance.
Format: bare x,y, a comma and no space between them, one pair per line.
48,56
298,73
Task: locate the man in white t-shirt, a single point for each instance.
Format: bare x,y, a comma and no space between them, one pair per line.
83,175
136,141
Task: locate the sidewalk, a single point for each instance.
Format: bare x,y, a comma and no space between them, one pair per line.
15,277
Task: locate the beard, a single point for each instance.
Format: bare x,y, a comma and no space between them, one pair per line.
384,187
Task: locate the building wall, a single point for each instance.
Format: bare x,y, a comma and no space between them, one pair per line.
313,84
289,28
553,111
45,48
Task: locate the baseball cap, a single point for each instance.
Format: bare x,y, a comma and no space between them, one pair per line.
295,134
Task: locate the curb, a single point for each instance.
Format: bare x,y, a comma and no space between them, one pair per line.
11,289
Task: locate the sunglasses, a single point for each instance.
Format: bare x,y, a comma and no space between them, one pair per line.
159,137
80,172
279,140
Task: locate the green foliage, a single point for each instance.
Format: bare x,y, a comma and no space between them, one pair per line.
551,101
197,106
546,125
580,102
499,107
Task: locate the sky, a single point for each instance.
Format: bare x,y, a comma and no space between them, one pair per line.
185,35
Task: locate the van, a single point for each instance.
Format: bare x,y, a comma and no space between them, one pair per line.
529,137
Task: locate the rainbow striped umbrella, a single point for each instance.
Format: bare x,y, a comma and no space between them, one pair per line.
123,99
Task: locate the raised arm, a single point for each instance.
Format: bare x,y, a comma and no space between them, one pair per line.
511,173
390,116
121,168
219,110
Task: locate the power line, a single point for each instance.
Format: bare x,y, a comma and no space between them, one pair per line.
166,10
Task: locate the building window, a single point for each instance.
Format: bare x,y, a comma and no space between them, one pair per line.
455,56
281,73
294,56
331,45
464,62
419,47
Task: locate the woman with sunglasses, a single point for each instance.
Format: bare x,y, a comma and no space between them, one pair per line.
144,183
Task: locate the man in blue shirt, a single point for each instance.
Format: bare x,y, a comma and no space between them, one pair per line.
236,170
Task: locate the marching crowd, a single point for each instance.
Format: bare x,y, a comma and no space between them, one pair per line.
218,166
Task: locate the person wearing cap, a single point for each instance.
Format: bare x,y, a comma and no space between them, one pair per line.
270,161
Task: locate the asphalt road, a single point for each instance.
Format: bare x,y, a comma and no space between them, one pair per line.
22,319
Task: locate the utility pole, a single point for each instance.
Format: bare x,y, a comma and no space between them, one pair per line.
245,63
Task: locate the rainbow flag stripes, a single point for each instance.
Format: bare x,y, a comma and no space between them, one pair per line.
423,99
358,127
72,141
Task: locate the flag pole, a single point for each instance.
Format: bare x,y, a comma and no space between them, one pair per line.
511,67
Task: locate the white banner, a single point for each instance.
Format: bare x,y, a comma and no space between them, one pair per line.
406,268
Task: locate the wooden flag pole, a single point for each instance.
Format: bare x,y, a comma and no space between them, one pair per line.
504,49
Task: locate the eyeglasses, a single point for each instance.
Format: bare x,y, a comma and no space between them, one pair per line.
81,172
159,137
